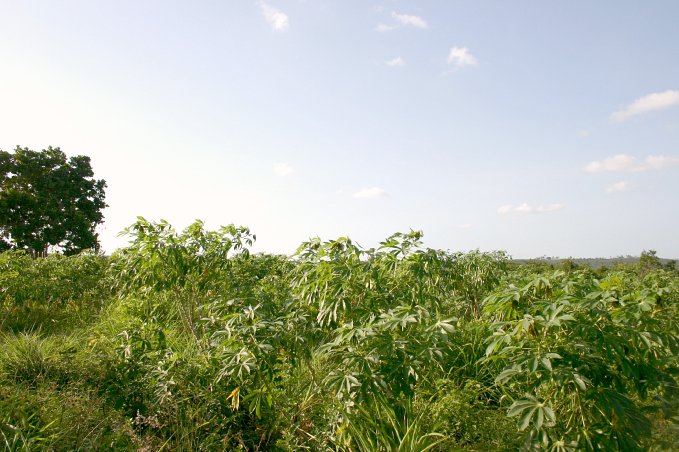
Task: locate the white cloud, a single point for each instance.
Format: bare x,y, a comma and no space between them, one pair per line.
525,209
461,57
383,28
627,163
276,18
282,169
398,61
372,192
650,102
620,162
413,21
658,162
617,187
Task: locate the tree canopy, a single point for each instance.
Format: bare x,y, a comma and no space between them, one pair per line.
47,199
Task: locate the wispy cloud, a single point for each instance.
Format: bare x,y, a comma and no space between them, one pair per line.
382,28
408,20
650,102
403,20
398,61
620,162
371,193
617,187
275,17
659,162
282,169
461,57
526,209
627,163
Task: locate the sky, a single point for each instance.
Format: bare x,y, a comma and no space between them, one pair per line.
539,128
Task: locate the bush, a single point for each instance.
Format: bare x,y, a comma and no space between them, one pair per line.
50,292
207,347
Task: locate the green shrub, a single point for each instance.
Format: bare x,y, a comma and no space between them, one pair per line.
207,347
50,293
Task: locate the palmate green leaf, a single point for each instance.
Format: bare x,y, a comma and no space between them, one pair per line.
533,366
507,375
539,418
326,348
237,363
549,413
519,406
401,317
342,384
546,363
350,381
444,326
256,398
524,325
531,409
580,382
526,418
645,338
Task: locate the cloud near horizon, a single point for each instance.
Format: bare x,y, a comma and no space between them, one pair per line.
282,169
461,57
371,193
525,209
650,102
628,163
275,17
398,61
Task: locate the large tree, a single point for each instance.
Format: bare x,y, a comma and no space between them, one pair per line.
47,199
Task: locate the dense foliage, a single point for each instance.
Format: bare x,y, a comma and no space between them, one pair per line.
186,341
47,200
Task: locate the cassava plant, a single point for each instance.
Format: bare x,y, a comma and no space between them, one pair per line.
191,264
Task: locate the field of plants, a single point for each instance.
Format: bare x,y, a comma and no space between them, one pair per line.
186,341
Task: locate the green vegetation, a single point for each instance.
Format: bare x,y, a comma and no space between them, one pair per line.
186,341
48,200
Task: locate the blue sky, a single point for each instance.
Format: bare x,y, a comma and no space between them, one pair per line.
540,128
